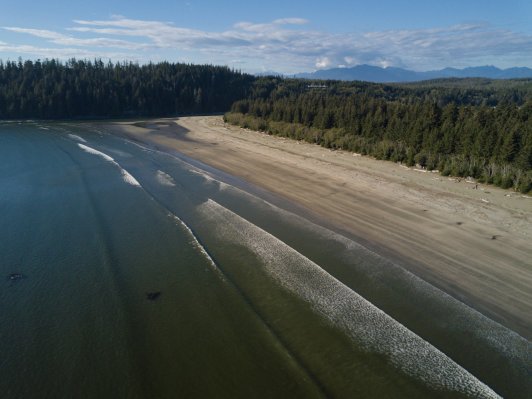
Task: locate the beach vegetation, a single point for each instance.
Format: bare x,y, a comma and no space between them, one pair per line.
466,130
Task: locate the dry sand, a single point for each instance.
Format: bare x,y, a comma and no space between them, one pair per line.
475,244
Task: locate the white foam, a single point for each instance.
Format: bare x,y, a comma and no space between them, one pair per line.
363,322
191,168
77,138
491,333
168,179
126,176
164,179
146,149
208,178
201,173
93,151
197,244
120,153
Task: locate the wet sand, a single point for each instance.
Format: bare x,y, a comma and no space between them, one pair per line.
472,242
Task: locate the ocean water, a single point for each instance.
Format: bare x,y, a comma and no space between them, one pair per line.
126,272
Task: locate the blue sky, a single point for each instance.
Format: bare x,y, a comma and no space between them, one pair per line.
283,36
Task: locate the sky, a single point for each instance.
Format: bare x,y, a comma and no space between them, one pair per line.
286,36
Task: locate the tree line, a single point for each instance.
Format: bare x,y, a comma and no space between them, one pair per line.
93,89
448,128
463,127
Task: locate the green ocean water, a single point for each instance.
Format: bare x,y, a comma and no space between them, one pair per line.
252,299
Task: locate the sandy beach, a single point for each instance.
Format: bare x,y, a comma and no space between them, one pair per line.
472,241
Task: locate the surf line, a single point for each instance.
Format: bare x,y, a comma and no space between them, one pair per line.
190,167
483,322
358,318
77,138
428,289
126,176
196,242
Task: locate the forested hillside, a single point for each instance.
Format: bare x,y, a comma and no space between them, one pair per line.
84,89
463,127
470,128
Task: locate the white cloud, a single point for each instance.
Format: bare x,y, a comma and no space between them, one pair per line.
46,34
291,21
323,62
63,53
59,38
288,45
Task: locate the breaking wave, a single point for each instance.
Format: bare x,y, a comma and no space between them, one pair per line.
491,333
77,138
164,179
359,319
126,176
197,244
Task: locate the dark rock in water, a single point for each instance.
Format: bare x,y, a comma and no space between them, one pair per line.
15,276
152,296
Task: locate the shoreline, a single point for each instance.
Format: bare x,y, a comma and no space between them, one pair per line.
471,243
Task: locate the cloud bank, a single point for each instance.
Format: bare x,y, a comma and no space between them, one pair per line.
285,45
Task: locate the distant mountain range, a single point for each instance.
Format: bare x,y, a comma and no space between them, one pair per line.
376,74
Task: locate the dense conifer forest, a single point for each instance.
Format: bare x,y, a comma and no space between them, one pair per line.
472,127
94,89
462,127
